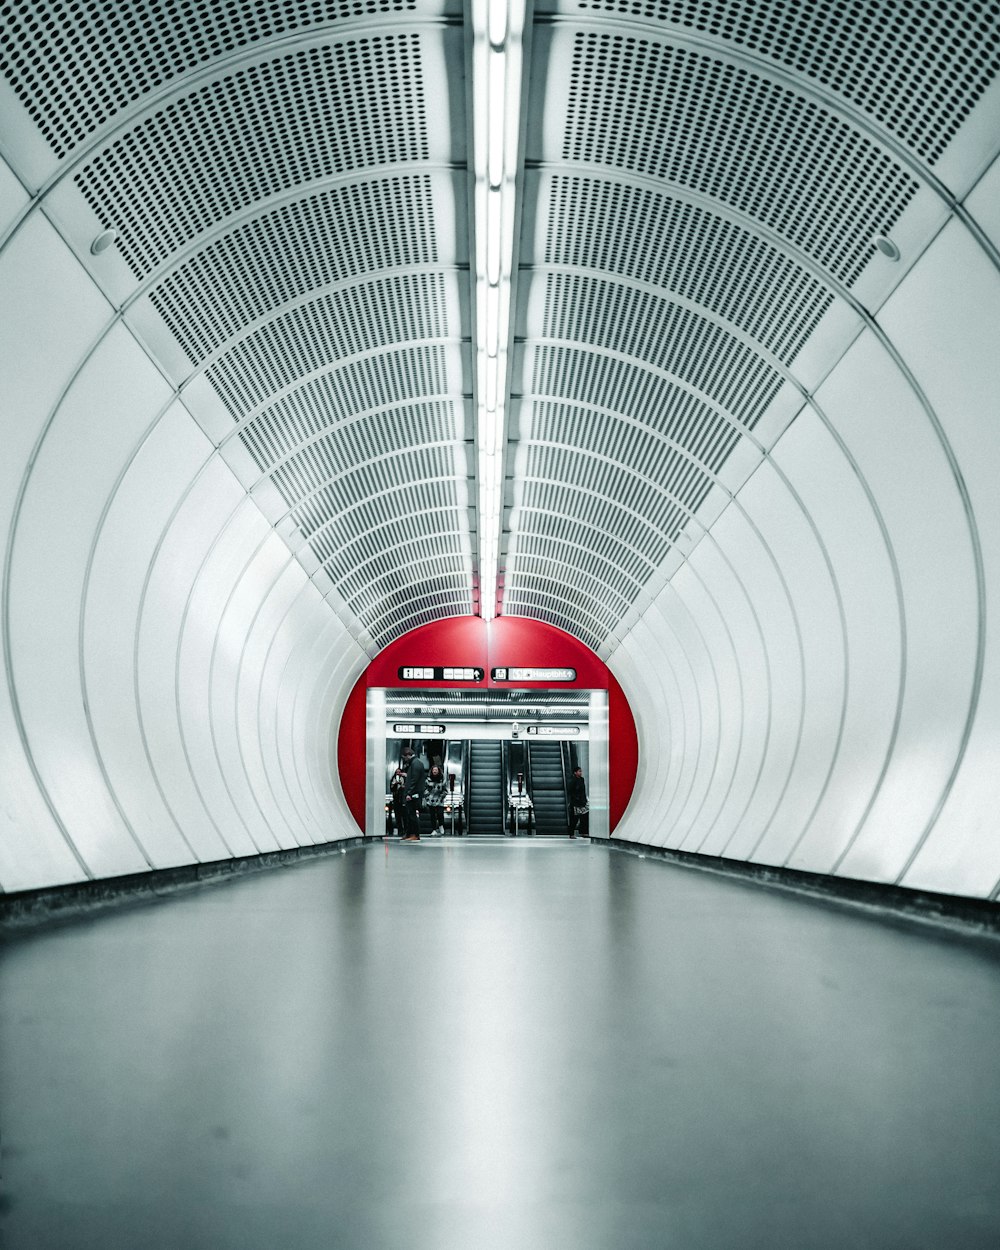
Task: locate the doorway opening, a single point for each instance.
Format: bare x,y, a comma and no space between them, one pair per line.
489,763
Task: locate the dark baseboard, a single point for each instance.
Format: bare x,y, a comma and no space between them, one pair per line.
953,910
26,909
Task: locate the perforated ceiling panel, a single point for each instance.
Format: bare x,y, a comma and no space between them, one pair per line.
916,66
596,224
257,133
282,182
76,65
695,217
702,185
279,256
704,124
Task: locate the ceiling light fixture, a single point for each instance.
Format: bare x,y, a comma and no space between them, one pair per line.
498,28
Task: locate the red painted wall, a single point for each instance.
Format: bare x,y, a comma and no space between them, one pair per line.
470,642
459,640
516,641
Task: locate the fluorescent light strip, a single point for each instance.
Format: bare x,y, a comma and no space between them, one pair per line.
496,89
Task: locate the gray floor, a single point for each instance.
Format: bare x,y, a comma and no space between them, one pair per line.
473,1045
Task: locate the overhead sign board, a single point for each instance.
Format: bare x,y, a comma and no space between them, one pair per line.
447,672
554,731
533,674
418,729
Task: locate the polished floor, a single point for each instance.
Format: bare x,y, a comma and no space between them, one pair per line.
461,1045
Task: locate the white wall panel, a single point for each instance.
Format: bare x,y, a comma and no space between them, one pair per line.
785,527
832,495
646,667
186,542
270,717
723,714
313,757
636,824
318,700
746,549
858,573
287,660
887,432
299,670
162,636
253,588
238,574
743,732
136,518
106,410
210,739
945,320
51,313
685,742
256,729
343,665
646,670
686,610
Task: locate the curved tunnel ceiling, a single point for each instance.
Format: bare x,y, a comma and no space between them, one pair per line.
751,447
703,188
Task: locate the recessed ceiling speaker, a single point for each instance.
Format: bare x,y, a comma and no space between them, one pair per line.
104,240
886,246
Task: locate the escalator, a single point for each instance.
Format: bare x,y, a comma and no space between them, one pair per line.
485,797
456,766
452,756
548,788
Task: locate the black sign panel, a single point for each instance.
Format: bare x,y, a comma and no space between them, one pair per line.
447,672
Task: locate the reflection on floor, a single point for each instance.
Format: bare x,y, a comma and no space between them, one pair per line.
498,1044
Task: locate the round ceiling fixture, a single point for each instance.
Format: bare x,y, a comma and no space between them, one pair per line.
103,241
886,246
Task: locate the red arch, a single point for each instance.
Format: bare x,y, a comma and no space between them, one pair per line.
470,642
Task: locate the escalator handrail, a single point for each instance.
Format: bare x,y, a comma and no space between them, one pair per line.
468,788
563,753
504,783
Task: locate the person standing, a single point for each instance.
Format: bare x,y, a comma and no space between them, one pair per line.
435,796
579,804
416,775
397,788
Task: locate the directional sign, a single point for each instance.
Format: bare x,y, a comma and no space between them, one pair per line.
554,731
533,674
447,672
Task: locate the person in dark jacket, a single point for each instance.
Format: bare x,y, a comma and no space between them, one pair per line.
578,801
416,775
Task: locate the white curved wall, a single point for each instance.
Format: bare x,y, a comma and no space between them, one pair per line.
815,686
173,677
818,682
